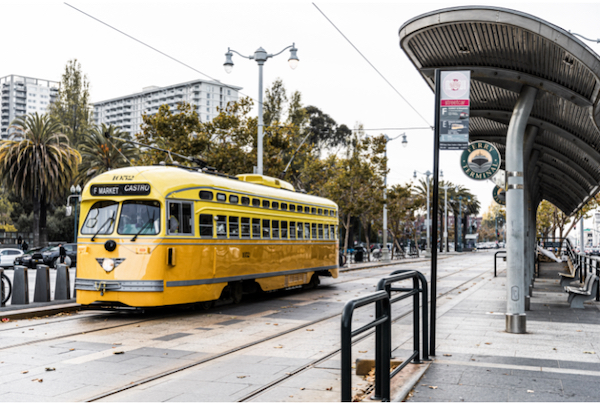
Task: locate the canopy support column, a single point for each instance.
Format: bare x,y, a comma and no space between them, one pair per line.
515,209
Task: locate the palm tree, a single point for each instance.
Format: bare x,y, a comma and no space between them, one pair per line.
101,155
40,167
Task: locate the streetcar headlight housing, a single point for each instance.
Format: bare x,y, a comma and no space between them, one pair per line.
108,265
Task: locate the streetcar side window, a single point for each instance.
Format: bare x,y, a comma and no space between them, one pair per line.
332,229
320,231
206,225
284,206
206,195
221,226
284,229
255,203
320,211
300,230
245,201
275,205
265,203
180,218
234,229
292,207
275,227
221,197
326,231
256,228
292,230
314,231
313,210
101,218
306,230
266,228
233,199
245,227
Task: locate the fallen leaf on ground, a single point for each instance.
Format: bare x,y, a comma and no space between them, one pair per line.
363,351
50,369
447,355
278,347
329,388
118,352
24,372
302,388
241,376
580,330
488,343
310,330
589,352
71,349
433,387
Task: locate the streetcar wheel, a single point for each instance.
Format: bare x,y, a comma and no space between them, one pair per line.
206,304
6,289
236,292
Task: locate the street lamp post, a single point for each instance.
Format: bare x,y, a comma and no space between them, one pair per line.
76,193
459,243
428,174
385,251
261,57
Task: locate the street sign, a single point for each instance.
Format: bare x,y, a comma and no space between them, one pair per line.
499,196
454,110
481,160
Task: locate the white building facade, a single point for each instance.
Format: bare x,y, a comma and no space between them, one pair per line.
22,95
126,112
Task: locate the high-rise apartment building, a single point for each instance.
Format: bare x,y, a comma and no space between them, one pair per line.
126,112
23,95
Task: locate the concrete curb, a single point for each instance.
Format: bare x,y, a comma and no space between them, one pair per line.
38,311
399,392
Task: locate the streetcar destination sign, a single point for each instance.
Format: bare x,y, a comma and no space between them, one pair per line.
129,189
480,161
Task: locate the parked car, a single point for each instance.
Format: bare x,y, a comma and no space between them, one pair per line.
32,257
8,255
51,256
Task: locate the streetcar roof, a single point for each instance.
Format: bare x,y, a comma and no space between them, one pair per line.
167,181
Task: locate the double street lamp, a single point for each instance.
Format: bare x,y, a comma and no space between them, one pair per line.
261,57
385,251
446,187
428,174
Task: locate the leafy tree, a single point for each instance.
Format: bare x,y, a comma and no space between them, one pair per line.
545,218
100,155
325,131
60,227
72,109
40,167
487,230
273,106
402,205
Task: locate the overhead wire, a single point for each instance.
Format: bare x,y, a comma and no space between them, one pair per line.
374,68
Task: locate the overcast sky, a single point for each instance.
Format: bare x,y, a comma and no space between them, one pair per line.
40,36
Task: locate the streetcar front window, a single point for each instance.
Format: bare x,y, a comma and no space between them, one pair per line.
101,218
139,217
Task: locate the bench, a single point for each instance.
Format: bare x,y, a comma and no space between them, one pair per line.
578,295
567,278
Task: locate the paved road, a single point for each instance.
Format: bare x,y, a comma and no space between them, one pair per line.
277,347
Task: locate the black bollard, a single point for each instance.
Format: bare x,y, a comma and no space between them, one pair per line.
20,295
62,290
42,284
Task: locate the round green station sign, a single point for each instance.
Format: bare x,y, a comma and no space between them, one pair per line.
480,161
499,196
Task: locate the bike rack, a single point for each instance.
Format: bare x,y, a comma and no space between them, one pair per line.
383,330
496,259
382,323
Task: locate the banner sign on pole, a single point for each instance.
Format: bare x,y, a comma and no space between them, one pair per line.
454,110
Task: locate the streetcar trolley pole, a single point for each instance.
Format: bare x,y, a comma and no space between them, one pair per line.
382,324
496,259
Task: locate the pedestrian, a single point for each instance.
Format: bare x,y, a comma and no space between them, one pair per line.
25,245
20,242
61,253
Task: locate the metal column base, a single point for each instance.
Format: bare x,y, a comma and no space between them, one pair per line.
527,303
385,255
516,323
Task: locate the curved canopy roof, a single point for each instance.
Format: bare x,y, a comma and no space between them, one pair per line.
506,50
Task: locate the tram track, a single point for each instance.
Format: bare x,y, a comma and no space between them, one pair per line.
255,343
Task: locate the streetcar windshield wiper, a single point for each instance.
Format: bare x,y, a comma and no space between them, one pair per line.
150,220
110,219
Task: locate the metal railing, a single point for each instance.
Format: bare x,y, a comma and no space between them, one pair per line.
383,330
382,345
496,259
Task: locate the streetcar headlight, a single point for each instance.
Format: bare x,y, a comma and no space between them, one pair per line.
108,265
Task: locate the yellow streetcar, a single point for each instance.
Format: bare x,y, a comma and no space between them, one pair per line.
166,235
